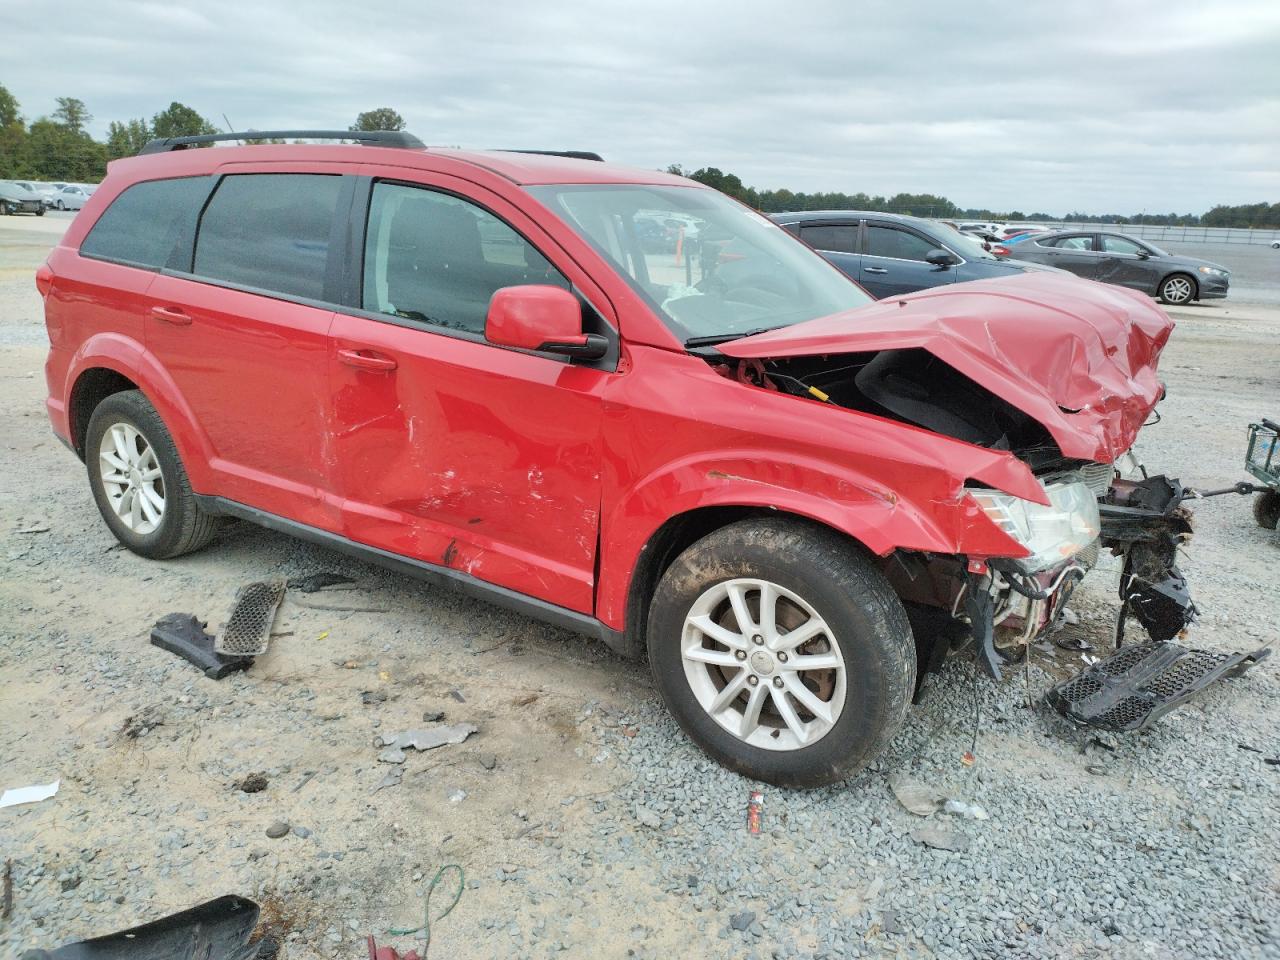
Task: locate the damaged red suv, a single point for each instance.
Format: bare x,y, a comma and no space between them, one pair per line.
615,400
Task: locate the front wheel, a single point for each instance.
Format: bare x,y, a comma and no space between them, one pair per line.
138,480
1177,289
782,651
1266,509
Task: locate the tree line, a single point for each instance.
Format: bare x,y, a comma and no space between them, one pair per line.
1256,215
59,146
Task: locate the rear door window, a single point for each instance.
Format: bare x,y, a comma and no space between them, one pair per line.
833,238
141,225
1084,242
437,259
896,244
269,231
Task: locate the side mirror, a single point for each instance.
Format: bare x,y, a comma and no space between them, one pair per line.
939,258
1144,253
541,318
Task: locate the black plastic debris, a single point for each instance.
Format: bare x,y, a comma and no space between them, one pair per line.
1138,684
217,930
183,634
312,582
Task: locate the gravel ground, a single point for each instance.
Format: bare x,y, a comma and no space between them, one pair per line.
584,821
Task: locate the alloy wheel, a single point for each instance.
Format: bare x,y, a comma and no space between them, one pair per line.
131,478
1177,289
763,664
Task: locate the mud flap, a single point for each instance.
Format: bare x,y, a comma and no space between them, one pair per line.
217,930
1136,686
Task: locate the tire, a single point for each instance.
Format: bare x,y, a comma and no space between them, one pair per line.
1178,289
40,212
813,572
1266,509
6,209
180,526
60,206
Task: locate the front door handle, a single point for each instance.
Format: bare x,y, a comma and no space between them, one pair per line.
875,269
367,360
173,315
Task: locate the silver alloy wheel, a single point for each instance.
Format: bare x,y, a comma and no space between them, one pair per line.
763,664
1177,289
131,478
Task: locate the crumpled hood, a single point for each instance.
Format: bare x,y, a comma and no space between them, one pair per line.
1080,357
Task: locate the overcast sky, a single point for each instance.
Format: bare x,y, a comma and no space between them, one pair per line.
1020,104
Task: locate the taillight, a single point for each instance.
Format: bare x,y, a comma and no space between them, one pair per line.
1000,250
44,279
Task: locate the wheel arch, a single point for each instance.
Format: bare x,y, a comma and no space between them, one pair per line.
1180,272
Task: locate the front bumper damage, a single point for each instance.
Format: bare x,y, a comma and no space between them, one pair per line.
1141,521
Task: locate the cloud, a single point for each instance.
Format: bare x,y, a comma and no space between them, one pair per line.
1093,106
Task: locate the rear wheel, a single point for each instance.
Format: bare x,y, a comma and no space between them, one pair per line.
781,651
139,482
1177,289
1266,509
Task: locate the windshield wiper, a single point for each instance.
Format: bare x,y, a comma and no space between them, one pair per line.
711,341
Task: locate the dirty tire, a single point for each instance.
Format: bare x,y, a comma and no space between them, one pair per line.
869,625
1266,509
1178,289
183,527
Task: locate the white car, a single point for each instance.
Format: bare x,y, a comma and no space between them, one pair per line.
1275,244
45,191
72,197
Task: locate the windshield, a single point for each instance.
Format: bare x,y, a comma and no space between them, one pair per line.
710,267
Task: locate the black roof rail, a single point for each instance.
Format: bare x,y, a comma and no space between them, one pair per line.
370,138
571,154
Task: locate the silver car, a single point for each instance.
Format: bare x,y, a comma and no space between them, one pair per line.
16,198
72,197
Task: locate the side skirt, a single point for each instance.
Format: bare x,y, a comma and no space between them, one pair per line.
436,575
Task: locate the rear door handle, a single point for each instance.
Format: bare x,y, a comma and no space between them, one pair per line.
367,360
875,269
172,315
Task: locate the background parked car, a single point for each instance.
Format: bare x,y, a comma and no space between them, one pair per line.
1129,262
72,197
891,255
15,198
45,191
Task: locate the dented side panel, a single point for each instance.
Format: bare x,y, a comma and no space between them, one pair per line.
680,437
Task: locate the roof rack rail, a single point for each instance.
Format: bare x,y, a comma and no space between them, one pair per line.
571,154
370,138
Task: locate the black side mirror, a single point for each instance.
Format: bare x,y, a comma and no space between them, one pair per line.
1144,253
939,258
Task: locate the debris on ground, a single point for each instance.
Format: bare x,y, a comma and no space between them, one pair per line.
142,723
252,783
392,779
184,635
389,953
647,818
915,797
457,795
306,778
247,632
27,531
370,697
34,794
970,811
742,921
425,738
940,838
318,581
218,930
755,812
278,829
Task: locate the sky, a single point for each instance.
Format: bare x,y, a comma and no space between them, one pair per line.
1096,107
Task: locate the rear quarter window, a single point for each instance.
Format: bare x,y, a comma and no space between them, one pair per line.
141,225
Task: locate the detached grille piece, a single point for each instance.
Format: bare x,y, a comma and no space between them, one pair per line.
248,629
1098,476
1138,684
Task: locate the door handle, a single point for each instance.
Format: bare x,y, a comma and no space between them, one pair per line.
172,315
875,269
366,360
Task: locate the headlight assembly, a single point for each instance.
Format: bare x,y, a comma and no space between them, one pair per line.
1214,272
1053,533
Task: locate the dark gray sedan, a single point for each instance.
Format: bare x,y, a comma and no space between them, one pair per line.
1127,261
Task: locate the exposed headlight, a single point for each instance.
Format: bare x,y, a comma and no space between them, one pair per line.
1214,272
1052,533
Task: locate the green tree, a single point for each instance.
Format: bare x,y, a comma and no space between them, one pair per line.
126,139
13,137
383,118
54,151
179,120
72,114
10,113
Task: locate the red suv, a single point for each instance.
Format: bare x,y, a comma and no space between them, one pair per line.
479,368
